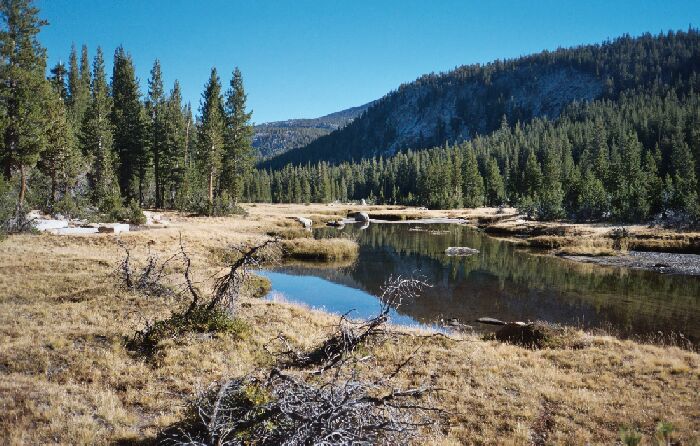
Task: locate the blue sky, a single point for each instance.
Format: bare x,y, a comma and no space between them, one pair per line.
308,58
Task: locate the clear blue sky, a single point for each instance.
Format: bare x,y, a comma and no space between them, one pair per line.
306,58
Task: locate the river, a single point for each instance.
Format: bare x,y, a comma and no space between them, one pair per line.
501,281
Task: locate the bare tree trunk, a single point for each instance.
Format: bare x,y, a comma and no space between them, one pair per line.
53,187
22,186
211,187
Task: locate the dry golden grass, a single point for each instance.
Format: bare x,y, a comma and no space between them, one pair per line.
575,246
67,378
331,249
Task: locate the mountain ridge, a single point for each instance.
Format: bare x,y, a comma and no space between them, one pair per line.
474,99
277,137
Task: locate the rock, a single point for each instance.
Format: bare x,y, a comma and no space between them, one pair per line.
44,225
460,251
34,214
361,216
490,321
113,228
455,324
73,231
305,221
154,218
59,216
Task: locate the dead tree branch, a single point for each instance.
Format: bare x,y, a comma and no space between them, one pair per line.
284,409
349,334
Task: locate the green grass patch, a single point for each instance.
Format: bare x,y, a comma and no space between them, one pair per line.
198,320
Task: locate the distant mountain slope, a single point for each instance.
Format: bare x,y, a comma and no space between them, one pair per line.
471,100
274,138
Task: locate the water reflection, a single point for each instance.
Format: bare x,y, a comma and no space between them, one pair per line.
504,282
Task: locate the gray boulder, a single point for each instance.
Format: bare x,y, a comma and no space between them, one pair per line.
361,216
306,222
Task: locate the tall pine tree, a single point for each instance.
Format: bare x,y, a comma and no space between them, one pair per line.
127,120
24,91
96,141
238,154
210,138
155,106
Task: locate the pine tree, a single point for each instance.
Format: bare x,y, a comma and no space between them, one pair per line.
60,160
155,105
629,197
174,159
24,91
495,188
57,79
551,194
210,139
238,155
78,86
128,123
473,186
96,141
685,196
532,176
654,183
592,201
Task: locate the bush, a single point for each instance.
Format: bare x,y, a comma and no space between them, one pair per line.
134,214
528,206
221,207
200,319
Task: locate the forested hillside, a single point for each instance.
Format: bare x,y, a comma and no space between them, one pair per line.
472,100
274,138
627,156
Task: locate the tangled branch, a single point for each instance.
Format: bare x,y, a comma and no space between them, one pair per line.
213,312
283,409
349,334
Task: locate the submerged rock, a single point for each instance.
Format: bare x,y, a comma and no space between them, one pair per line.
460,251
490,321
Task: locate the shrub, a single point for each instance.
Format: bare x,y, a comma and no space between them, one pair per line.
134,214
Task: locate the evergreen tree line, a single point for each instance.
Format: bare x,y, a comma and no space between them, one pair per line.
625,159
73,140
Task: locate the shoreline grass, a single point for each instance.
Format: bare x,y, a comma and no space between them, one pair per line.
329,249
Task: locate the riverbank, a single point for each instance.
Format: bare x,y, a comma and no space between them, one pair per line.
67,377
660,262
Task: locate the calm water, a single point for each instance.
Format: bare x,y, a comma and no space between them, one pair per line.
501,281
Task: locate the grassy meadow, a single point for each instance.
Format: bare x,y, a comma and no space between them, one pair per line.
68,377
